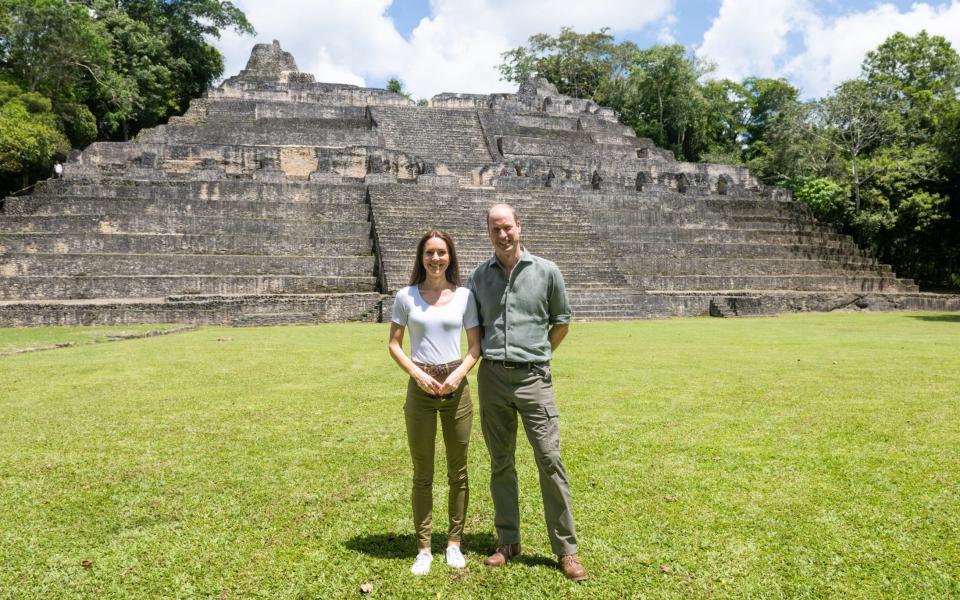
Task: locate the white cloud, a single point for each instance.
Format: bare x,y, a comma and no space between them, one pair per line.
835,51
749,38
454,49
665,33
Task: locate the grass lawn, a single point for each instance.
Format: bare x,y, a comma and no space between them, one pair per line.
804,456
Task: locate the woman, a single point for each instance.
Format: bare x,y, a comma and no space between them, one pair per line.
434,307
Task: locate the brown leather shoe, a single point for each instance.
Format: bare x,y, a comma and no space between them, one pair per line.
572,568
502,555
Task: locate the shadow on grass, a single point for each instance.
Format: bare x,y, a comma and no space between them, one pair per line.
941,318
392,545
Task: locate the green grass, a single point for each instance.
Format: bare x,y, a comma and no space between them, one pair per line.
14,340
804,456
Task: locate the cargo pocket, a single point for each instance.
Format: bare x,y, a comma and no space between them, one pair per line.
551,440
543,372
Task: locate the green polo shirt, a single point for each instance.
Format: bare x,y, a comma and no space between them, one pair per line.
516,314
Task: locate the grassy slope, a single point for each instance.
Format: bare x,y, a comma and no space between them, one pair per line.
801,456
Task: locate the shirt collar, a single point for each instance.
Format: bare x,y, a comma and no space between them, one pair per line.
524,258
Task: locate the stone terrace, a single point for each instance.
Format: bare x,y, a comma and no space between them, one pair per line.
277,199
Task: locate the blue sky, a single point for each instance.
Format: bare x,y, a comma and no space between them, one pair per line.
438,46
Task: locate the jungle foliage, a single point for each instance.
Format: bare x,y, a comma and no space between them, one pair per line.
76,71
879,156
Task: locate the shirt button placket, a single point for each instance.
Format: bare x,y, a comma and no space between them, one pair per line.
506,321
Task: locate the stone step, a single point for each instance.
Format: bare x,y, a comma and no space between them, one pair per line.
201,310
170,243
130,223
723,235
143,286
743,250
245,189
100,265
836,282
449,136
272,133
233,110
787,223
660,265
240,209
569,263
699,207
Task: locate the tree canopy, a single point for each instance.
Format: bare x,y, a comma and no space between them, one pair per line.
107,68
879,156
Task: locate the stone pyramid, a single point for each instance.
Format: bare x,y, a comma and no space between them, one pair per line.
278,199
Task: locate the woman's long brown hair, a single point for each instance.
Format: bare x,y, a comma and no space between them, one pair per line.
419,273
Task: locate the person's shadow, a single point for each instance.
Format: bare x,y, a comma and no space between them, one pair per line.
940,318
403,546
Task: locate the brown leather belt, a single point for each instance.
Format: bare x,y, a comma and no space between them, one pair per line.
439,372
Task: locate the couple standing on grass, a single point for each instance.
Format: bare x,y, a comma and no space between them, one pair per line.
515,312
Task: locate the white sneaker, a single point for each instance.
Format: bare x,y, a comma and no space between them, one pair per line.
455,558
421,566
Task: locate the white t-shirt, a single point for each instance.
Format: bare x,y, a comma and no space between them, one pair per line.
435,330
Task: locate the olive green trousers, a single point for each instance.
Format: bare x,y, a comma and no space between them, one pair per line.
456,420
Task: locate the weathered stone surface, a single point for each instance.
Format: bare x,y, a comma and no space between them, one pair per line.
268,62
278,199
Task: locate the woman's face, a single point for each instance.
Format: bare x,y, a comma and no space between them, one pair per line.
435,258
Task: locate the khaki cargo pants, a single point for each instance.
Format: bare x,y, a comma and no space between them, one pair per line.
527,391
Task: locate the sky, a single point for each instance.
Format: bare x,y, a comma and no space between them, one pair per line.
436,46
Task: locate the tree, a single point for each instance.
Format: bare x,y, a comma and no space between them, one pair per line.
767,100
29,137
725,121
580,65
186,26
826,197
52,47
664,100
854,121
141,91
106,68
396,86
922,72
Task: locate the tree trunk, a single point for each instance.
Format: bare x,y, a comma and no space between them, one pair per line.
660,114
856,182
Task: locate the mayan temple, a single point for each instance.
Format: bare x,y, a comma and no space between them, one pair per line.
278,199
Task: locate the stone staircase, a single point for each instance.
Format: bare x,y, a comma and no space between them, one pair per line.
556,228
717,243
118,251
453,138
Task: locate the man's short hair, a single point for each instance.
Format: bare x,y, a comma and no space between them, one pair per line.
513,211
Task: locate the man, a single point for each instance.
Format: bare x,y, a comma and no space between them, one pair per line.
524,315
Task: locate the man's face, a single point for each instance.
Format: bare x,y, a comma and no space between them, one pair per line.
504,233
